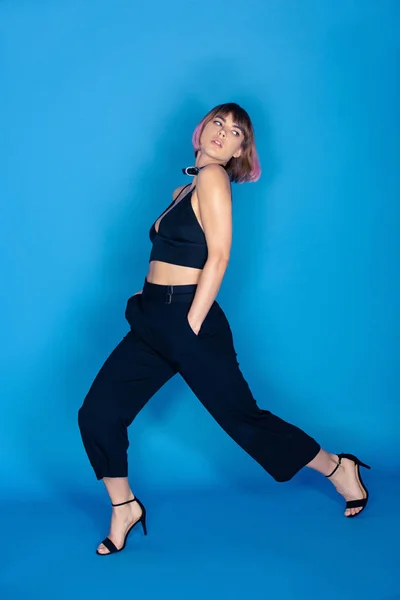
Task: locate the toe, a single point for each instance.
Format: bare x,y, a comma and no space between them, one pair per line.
102,549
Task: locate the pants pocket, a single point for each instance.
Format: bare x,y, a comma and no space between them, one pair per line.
210,324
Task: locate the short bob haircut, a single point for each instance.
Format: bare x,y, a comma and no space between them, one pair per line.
247,166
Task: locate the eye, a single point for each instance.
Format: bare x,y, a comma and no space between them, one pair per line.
217,122
236,133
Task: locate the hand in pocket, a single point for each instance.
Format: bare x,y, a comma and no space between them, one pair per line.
195,331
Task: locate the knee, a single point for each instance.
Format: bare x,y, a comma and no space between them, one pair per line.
91,426
88,419
281,477
97,424
90,412
83,418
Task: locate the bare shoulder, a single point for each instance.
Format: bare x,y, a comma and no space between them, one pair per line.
213,182
213,174
177,191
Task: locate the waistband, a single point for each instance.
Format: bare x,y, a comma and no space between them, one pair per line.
169,293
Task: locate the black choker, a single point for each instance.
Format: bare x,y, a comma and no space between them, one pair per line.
192,171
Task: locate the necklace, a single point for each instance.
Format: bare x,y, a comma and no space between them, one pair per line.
191,171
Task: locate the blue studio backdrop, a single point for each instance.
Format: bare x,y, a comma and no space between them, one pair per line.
98,103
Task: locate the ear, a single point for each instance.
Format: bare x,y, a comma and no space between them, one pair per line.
238,153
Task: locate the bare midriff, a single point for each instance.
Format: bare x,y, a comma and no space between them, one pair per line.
166,274
163,273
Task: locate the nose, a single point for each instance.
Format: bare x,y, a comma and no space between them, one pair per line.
221,131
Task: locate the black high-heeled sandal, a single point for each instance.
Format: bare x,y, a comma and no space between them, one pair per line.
362,502
111,547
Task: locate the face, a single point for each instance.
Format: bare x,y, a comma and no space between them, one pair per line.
221,139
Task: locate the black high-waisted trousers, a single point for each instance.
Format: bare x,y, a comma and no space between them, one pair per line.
160,344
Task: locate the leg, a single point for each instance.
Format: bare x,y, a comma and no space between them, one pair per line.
131,375
128,379
210,368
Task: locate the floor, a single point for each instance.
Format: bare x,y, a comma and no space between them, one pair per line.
287,541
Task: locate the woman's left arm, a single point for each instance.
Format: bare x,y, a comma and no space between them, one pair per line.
215,205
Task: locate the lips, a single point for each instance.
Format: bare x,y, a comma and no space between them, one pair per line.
217,142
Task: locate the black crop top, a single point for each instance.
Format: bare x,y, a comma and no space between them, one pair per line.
180,239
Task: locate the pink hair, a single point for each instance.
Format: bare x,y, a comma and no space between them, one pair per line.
255,171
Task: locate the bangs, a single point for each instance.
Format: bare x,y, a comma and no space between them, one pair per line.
247,166
239,117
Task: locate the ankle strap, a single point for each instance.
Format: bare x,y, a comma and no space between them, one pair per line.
336,468
127,502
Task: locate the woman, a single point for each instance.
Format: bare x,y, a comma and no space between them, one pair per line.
178,327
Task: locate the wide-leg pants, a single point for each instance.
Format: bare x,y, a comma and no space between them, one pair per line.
160,344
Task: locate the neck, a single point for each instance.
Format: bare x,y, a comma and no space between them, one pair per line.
202,160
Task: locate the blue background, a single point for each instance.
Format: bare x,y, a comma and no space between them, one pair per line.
97,106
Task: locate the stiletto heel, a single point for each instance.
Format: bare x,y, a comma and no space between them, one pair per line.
144,526
111,547
354,459
362,502
143,517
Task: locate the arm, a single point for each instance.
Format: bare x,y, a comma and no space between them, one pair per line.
215,204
